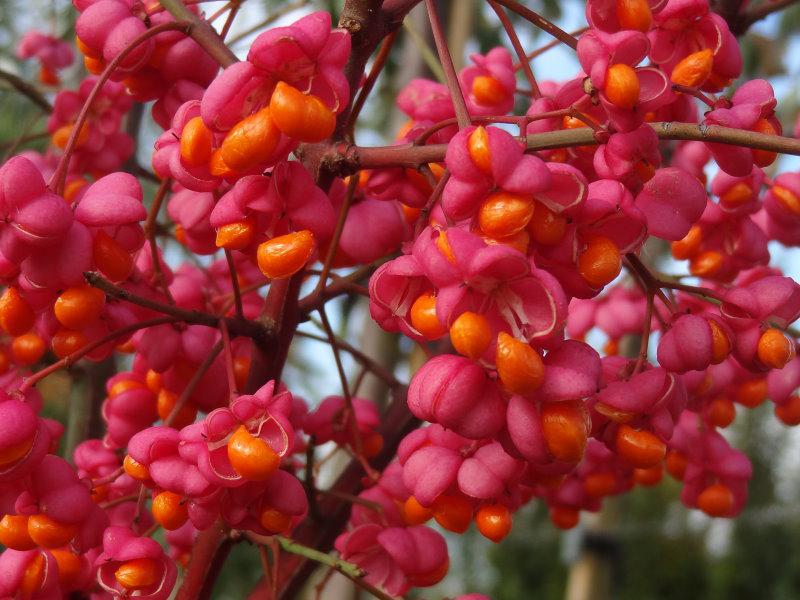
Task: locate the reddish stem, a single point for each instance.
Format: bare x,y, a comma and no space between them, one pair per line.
451,78
150,234
514,39
377,67
540,22
79,354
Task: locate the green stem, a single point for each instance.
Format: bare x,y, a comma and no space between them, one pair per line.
346,568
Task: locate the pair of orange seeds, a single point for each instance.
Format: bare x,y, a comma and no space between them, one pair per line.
69,570
252,140
454,513
22,532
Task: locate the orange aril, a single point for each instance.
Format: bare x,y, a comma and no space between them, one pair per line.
640,447
478,148
694,70
27,349
454,513
716,500
274,520
237,235
519,241
676,464
61,136
502,214
689,245
73,187
564,517
49,533
424,319
111,259
615,414
11,454
600,262
301,116
250,142
138,574
16,315
124,385
471,334
84,49
251,457
764,158
153,380
706,264
443,245
611,347
241,371
787,198
217,166
32,577
169,511
494,521
487,90
519,366
720,344
622,86
66,341
565,429
69,567
721,412
79,306
644,169
197,143
165,403
372,445
648,476
95,66
135,469
546,227
285,255
14,533
736,195
410,214
634,14
414,513
601,484
752,393
775,348
5,362
789,411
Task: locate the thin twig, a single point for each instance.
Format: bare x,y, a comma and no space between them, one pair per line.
202,33
237,293
369,83
193,383
283,10
337,232
514,39
79,354
366,361
428,55
27,90
540,22
150,234
450,75
245,327
353,572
